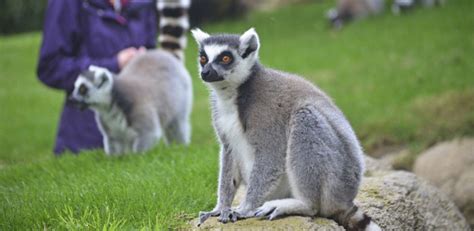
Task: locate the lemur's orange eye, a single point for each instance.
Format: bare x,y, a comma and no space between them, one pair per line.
203,59
226,59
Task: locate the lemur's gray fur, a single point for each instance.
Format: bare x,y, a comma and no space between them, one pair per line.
280,136
348,10
150,98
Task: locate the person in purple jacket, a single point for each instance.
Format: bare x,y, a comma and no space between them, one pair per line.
79,33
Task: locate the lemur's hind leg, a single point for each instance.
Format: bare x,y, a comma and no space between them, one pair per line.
303,166
145,142
149,130
314,149
178,131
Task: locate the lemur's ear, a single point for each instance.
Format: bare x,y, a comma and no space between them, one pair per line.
199,35
249,43
98,69
102,75
104,78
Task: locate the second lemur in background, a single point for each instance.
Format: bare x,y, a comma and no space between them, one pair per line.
281,136
348,10
150,98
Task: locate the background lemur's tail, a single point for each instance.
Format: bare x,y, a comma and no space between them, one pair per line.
174,22
356,219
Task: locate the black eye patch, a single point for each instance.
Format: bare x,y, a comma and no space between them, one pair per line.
203,54
221,56
83,89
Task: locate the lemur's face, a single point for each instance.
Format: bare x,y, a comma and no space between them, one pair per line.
93,87
226,58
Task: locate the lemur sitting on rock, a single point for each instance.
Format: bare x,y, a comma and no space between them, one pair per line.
281,136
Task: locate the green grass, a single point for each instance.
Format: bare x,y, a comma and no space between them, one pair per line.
400,80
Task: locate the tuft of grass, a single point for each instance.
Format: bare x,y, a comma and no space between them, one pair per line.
400,81
95,219
101,192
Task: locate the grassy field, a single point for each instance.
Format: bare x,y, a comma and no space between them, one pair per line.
401,81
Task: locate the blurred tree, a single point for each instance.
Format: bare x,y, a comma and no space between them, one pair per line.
27,15
212,10
21,15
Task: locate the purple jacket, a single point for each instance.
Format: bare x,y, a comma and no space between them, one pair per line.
79,33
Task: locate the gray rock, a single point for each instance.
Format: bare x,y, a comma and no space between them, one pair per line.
399,200
450,167
396,200
372,165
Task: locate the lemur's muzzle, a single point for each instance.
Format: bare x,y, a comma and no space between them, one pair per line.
78,103
208,74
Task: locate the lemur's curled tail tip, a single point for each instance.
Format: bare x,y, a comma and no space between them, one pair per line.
356,219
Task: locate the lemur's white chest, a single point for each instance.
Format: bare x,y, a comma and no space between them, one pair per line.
116,125
229,123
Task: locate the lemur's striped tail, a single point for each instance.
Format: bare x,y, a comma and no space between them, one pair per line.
174,22
356,219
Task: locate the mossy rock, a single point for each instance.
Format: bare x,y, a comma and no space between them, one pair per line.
396,200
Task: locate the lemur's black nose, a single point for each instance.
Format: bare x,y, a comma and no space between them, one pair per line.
208,74
205,72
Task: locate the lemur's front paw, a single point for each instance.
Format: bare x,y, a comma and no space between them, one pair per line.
224,215
227,215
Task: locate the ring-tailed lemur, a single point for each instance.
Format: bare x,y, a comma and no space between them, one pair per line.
280,135
348,10
150,98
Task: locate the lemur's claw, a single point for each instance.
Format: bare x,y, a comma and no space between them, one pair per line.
224,215
265,212
203,216
233,218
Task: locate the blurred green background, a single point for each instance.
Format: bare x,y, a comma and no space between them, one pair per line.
403,82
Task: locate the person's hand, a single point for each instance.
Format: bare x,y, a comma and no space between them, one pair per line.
124,56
